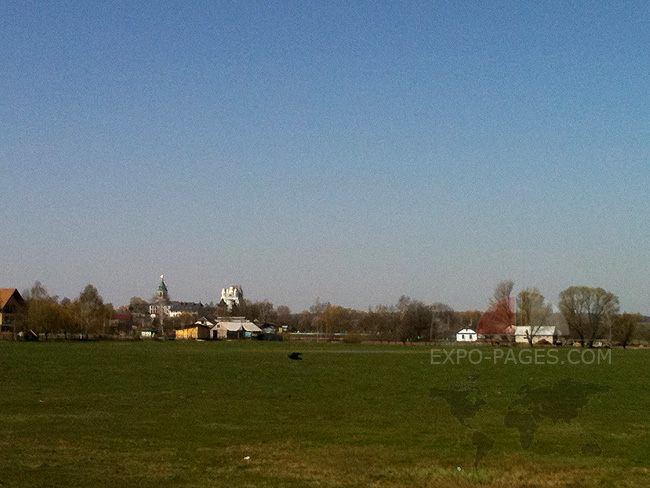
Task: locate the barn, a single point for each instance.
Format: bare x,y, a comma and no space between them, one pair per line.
194,331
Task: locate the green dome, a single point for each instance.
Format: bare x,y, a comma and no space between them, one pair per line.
162,288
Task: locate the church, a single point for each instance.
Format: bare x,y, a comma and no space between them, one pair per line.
231,296
162,306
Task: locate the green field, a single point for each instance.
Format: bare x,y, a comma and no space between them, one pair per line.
187,414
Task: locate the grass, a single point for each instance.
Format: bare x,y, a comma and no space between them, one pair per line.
187,414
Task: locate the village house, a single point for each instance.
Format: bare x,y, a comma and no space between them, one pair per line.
147,333
466,335
12,306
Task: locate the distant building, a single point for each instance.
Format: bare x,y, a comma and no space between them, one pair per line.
201,329
466,335
270,329
11,306
231,296
161,305
196,331
234,328
547,333
176,309
147,333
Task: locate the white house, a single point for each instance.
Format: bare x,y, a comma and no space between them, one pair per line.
147,333
466,335
547,333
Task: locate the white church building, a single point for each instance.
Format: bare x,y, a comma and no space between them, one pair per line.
232,295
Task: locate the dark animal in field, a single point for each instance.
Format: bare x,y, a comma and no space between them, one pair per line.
295,356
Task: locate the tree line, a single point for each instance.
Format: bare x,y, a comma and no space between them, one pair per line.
81,317
588,314
585,314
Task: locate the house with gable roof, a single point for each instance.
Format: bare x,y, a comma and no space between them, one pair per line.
234,328
12,306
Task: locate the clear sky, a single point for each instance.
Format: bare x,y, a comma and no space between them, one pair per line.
352,151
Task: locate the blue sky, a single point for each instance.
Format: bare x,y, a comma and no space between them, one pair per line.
352,151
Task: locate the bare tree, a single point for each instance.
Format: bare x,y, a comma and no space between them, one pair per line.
585,310
533,312
403,304
502,290
283,315
444,321
319,307
380,321
265,311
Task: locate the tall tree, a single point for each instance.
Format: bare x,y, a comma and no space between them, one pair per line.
38,291
306,322
470,318
381,322
181,321
335,319
624,326
46,316
138,305
319,307
415,321
533,312
403,304
502,290
586,309
71,326
283,315
444,321
92,313
265,312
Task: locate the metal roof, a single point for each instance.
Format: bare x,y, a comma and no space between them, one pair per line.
237,325
544,330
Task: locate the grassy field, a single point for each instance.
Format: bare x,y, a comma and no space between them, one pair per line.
187,414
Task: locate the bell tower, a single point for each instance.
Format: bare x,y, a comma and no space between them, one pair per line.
163,295
162,299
